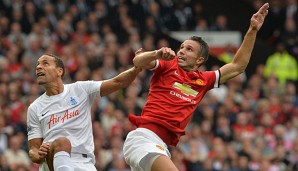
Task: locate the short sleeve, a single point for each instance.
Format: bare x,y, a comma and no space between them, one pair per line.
33,125
92,88
213,78
162,65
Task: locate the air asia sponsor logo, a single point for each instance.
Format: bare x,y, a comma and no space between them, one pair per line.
56,118
186,90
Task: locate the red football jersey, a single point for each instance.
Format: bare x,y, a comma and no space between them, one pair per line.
174,95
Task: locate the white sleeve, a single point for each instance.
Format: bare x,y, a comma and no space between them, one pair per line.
33,124
91,87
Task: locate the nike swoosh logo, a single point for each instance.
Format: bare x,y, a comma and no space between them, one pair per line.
44,113
176,73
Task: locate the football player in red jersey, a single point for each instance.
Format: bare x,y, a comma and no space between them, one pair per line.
176,88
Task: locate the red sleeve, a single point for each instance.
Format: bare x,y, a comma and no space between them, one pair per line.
213,78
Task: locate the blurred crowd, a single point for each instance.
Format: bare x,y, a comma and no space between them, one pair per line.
248,124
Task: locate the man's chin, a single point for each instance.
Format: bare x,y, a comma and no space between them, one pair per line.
40,82
181,64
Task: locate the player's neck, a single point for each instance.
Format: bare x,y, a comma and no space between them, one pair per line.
54,89
190,69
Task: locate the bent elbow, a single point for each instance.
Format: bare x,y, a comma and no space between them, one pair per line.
241,68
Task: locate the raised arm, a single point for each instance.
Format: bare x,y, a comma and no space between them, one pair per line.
148,59
242,56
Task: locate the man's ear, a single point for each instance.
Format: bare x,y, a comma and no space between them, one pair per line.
200,60
60,72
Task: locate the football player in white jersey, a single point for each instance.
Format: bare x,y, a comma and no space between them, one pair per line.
59,121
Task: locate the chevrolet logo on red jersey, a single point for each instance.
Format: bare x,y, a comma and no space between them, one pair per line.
185,89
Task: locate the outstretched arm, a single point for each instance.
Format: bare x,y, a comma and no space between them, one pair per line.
120,81
148,59
242,57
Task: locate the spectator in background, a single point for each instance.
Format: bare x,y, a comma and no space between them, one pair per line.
292,10
228,54
201,25
242,125
4,133
30,16
15,100
281,65
16,36
5,25
17,157
49,13
291,93
243,163
194,146
274,23
178,159
289,36
223,129
33,50
183,15
220,24
292,19
61,7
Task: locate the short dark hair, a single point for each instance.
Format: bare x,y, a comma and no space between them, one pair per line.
204,51
58,61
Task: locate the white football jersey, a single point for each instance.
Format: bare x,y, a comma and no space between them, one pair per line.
66,115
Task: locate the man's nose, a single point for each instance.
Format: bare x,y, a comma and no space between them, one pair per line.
38,67
180,52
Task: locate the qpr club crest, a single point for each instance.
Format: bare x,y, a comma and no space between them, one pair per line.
73,100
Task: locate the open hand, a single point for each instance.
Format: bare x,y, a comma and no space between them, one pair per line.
258,18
